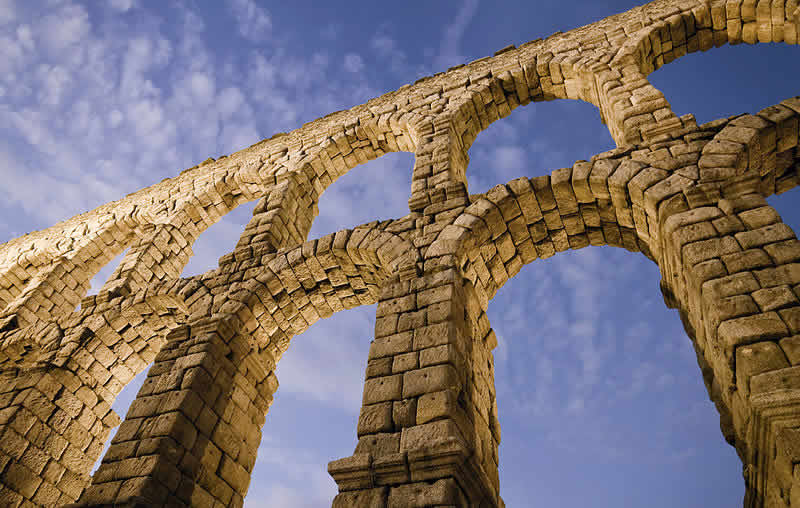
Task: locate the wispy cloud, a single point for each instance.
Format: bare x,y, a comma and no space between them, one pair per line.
254,22
353,62
7,11
301,480
122,5
450,49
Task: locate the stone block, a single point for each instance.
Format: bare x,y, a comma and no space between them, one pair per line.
775,380
382,389
791,348
775,298
432,335
404,362
379,444
375,418
764,235
784,252
391,345
746,260
778,276
755,359
367,498
737,284
404,413
697,252
750,329
379,367
429,379
791,316
431,435
444,492
437,405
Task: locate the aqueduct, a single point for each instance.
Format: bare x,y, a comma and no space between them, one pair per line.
691,198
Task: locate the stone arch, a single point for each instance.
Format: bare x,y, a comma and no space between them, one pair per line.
67,277
762,146
285,293
284,215
343,267
513,224
675,31
702,25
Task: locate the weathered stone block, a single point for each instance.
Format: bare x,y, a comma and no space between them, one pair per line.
375,418
755,359
384,388
368,498
746,330
404,413
429,379
444,492
437,405
404,362
429,435
791,348
391,345
775,298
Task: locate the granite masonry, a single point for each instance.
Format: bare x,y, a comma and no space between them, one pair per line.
689,197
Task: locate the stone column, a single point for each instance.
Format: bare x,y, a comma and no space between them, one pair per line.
731,267
191,436
427,433
52,429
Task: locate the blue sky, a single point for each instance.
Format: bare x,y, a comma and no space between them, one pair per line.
600,398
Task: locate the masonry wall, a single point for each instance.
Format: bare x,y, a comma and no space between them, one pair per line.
691,198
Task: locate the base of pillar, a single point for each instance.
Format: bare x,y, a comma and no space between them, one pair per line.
445,474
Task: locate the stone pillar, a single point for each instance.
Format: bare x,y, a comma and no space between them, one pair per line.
52,429
732,268
427,433
191,436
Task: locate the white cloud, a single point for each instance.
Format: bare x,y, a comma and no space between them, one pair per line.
328,369
64,28
122,5
302,482
353,62
7,11
201,86
25,37
254,22
449,51
115,118
509,159
230,100
53,82
388,50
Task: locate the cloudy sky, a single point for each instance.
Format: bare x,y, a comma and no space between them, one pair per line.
601,401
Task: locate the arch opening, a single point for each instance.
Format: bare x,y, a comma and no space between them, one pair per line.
377,190
609,384
534,141
216,241
721,78
321,380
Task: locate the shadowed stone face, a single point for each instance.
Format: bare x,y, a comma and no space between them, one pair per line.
691,198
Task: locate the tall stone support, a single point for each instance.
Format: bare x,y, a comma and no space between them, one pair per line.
732,268
53,430
283,216
427,432
160,254
190,437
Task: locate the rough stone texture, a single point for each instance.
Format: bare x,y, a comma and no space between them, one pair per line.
689,197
